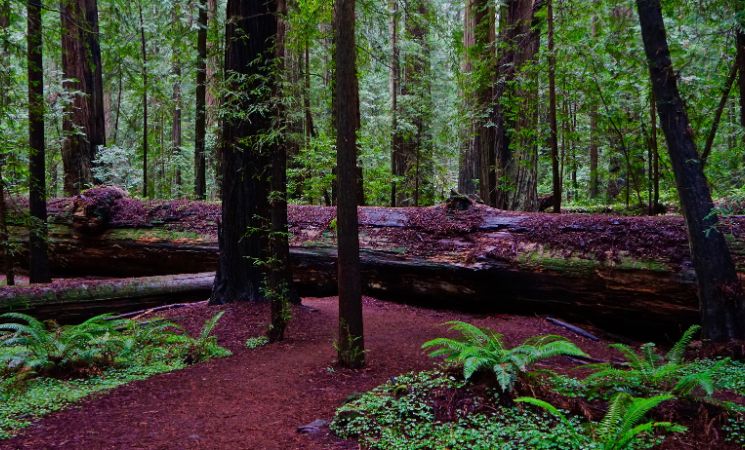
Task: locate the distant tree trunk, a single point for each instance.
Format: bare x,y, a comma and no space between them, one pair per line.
249,62
143,51
718,114
214,76
200,131
516,158
395,76
39,261
310,130
655,155
469,169
594,157
83,123
5,248
741,69
720,292
176,128
416,89
553,138
350,344
279,280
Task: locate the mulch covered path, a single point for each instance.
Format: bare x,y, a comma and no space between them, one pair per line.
256,399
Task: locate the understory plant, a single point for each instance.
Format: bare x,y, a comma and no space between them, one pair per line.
482,349
30,345
624,422
650,372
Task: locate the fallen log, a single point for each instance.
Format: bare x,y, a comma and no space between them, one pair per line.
69,301
629,272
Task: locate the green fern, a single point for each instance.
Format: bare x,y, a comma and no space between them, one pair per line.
621,427
32,345
484,350
205,346
649,372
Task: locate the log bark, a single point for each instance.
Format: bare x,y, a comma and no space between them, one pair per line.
459,255
69,301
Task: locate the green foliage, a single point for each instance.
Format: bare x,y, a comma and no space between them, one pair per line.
483,349
652,373
399,415
32,345
621,427
256,342
205,346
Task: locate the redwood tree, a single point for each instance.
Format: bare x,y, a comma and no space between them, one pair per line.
83,122
721,297
39,261
246,147
200,132
350,344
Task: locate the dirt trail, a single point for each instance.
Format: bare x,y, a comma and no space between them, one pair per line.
256,399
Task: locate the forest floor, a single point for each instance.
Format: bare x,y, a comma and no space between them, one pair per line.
258,398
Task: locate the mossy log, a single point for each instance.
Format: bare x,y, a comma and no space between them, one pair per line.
74,300
623,271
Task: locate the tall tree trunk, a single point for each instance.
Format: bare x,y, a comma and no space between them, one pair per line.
718,114
5,83
594,157
416,89
395,76
310,130
279,280
553,138
350,344
516,158
741,69
720,293
83,123
469,169
143,52
249,64
214,77
200,131
38,259
176,127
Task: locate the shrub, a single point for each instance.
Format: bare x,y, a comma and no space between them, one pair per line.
652,373
620,427
44,348
484,350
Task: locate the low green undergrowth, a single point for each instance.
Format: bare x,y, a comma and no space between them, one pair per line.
45,367
474,402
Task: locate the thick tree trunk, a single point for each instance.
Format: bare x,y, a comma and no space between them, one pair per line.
720,292
350,344
469,168
83,123
516,158
200,131
279,277
247,151
38,259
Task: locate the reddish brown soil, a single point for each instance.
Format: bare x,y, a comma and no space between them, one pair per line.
256,399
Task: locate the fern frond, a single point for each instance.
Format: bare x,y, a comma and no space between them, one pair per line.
677,352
